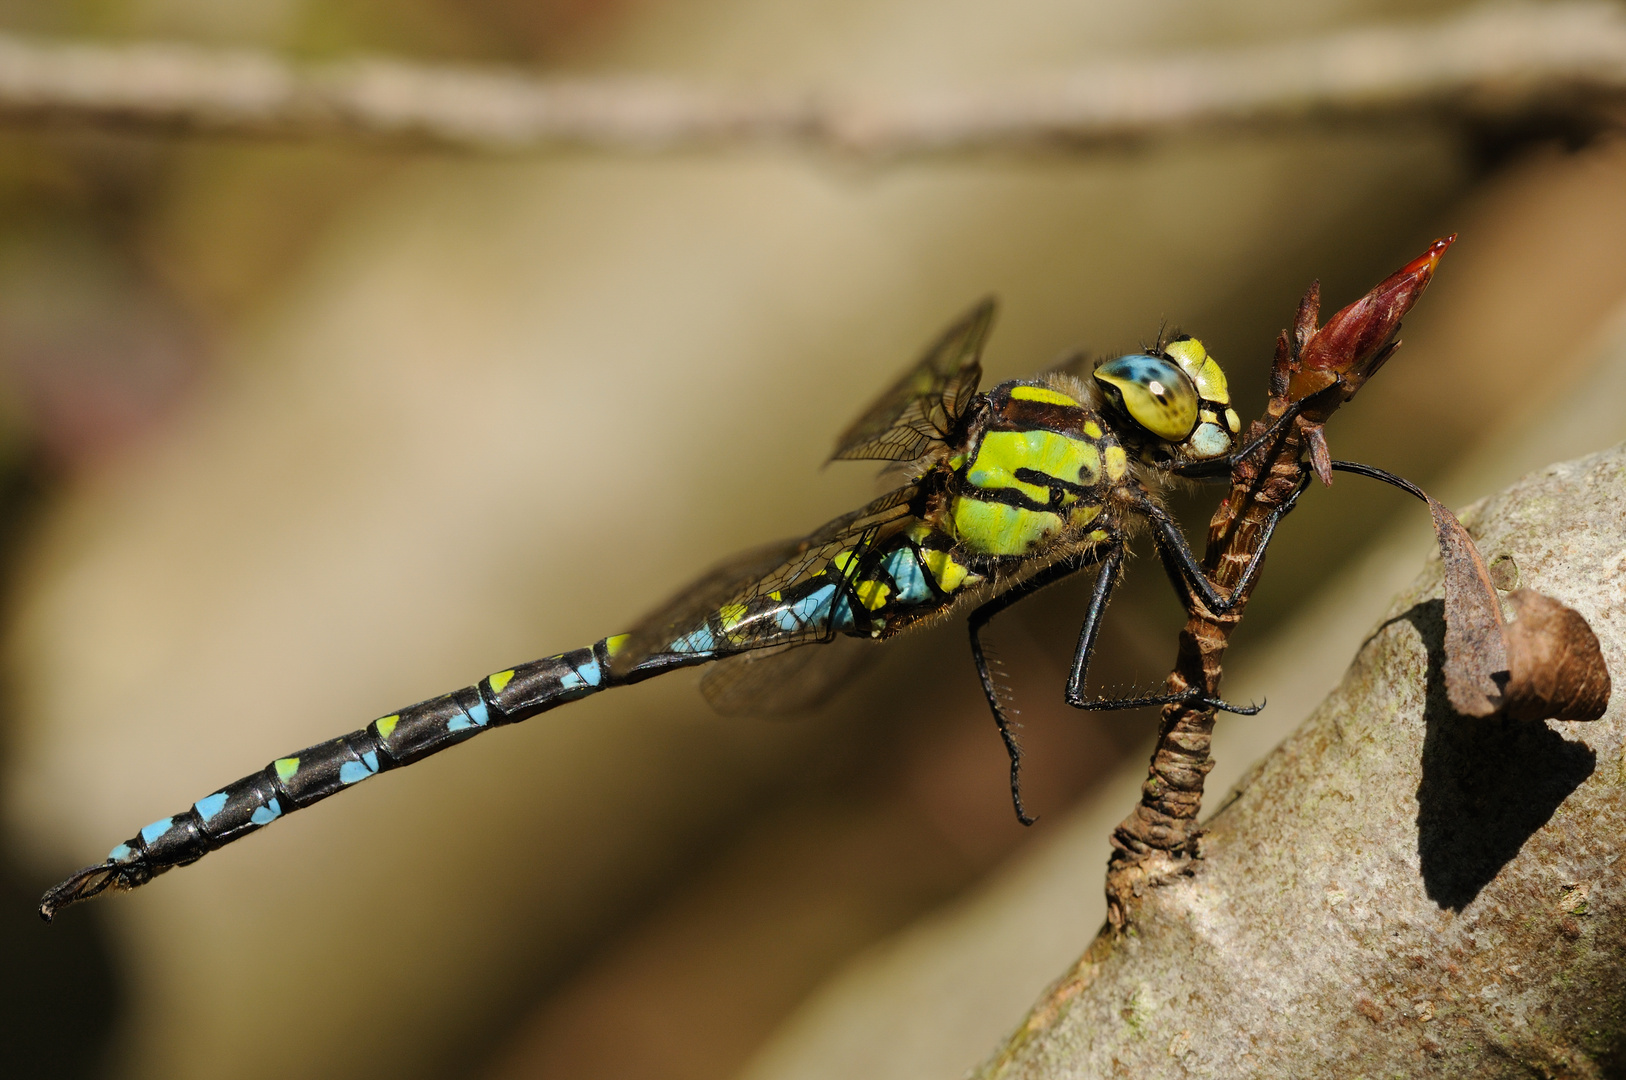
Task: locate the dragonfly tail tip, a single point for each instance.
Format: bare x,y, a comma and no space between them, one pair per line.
89,882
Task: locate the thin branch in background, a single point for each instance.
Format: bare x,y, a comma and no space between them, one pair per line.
1490,64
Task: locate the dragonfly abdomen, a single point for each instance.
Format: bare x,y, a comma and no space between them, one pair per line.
298,780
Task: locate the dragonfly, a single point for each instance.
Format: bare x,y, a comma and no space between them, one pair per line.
1000,493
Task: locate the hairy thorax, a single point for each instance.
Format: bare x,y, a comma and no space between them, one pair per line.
1035,471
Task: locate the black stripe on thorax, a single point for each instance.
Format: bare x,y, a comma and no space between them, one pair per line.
1021,415
1089,494
1011,497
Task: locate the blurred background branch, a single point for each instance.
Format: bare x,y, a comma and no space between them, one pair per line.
1490,65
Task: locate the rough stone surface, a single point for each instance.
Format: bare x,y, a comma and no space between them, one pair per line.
1397,890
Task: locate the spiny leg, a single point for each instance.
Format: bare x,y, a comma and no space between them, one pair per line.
1372,472
979,619
1187,573
1086,649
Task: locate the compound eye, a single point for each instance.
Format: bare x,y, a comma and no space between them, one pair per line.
1155,393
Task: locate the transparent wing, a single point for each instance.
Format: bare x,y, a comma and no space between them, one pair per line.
785,680
923,406
745,584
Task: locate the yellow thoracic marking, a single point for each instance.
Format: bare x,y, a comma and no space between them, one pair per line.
956,461
990,528
1098,535
1082,516
503,678
613,645
1117,463
1208,416
1041,393
730,615
1092,429
1233,421
386,725
1062,456
1195,361
845,562
873,594
1089,468
286,767
948,574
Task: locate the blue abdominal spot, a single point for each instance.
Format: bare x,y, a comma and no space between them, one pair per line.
477,715
209,807
266,814
810,612
699,641
909,578
352,771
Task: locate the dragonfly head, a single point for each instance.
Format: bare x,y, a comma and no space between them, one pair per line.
1173,404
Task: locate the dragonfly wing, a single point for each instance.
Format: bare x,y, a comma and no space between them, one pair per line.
672,619
750,581
923,406
784,680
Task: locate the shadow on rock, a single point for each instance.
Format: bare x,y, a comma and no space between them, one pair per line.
1487,784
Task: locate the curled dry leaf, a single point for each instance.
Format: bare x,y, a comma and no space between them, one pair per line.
1555,667
1546,664
1475,644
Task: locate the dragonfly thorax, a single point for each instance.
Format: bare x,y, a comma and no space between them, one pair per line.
1035,469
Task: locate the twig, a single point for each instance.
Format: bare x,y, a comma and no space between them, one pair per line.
1494,63
1318,368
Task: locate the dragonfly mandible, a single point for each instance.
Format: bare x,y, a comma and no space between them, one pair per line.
1004,492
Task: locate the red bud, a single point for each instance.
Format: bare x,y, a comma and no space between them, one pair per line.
1357,333
1346,352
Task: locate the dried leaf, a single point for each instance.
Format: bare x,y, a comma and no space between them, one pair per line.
1546,664
1475,649
1555,667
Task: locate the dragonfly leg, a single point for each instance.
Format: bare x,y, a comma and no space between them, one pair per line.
1187,576
979,619
1086,649
1187,573
1372,472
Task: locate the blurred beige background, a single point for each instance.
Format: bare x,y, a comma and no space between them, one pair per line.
300,433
